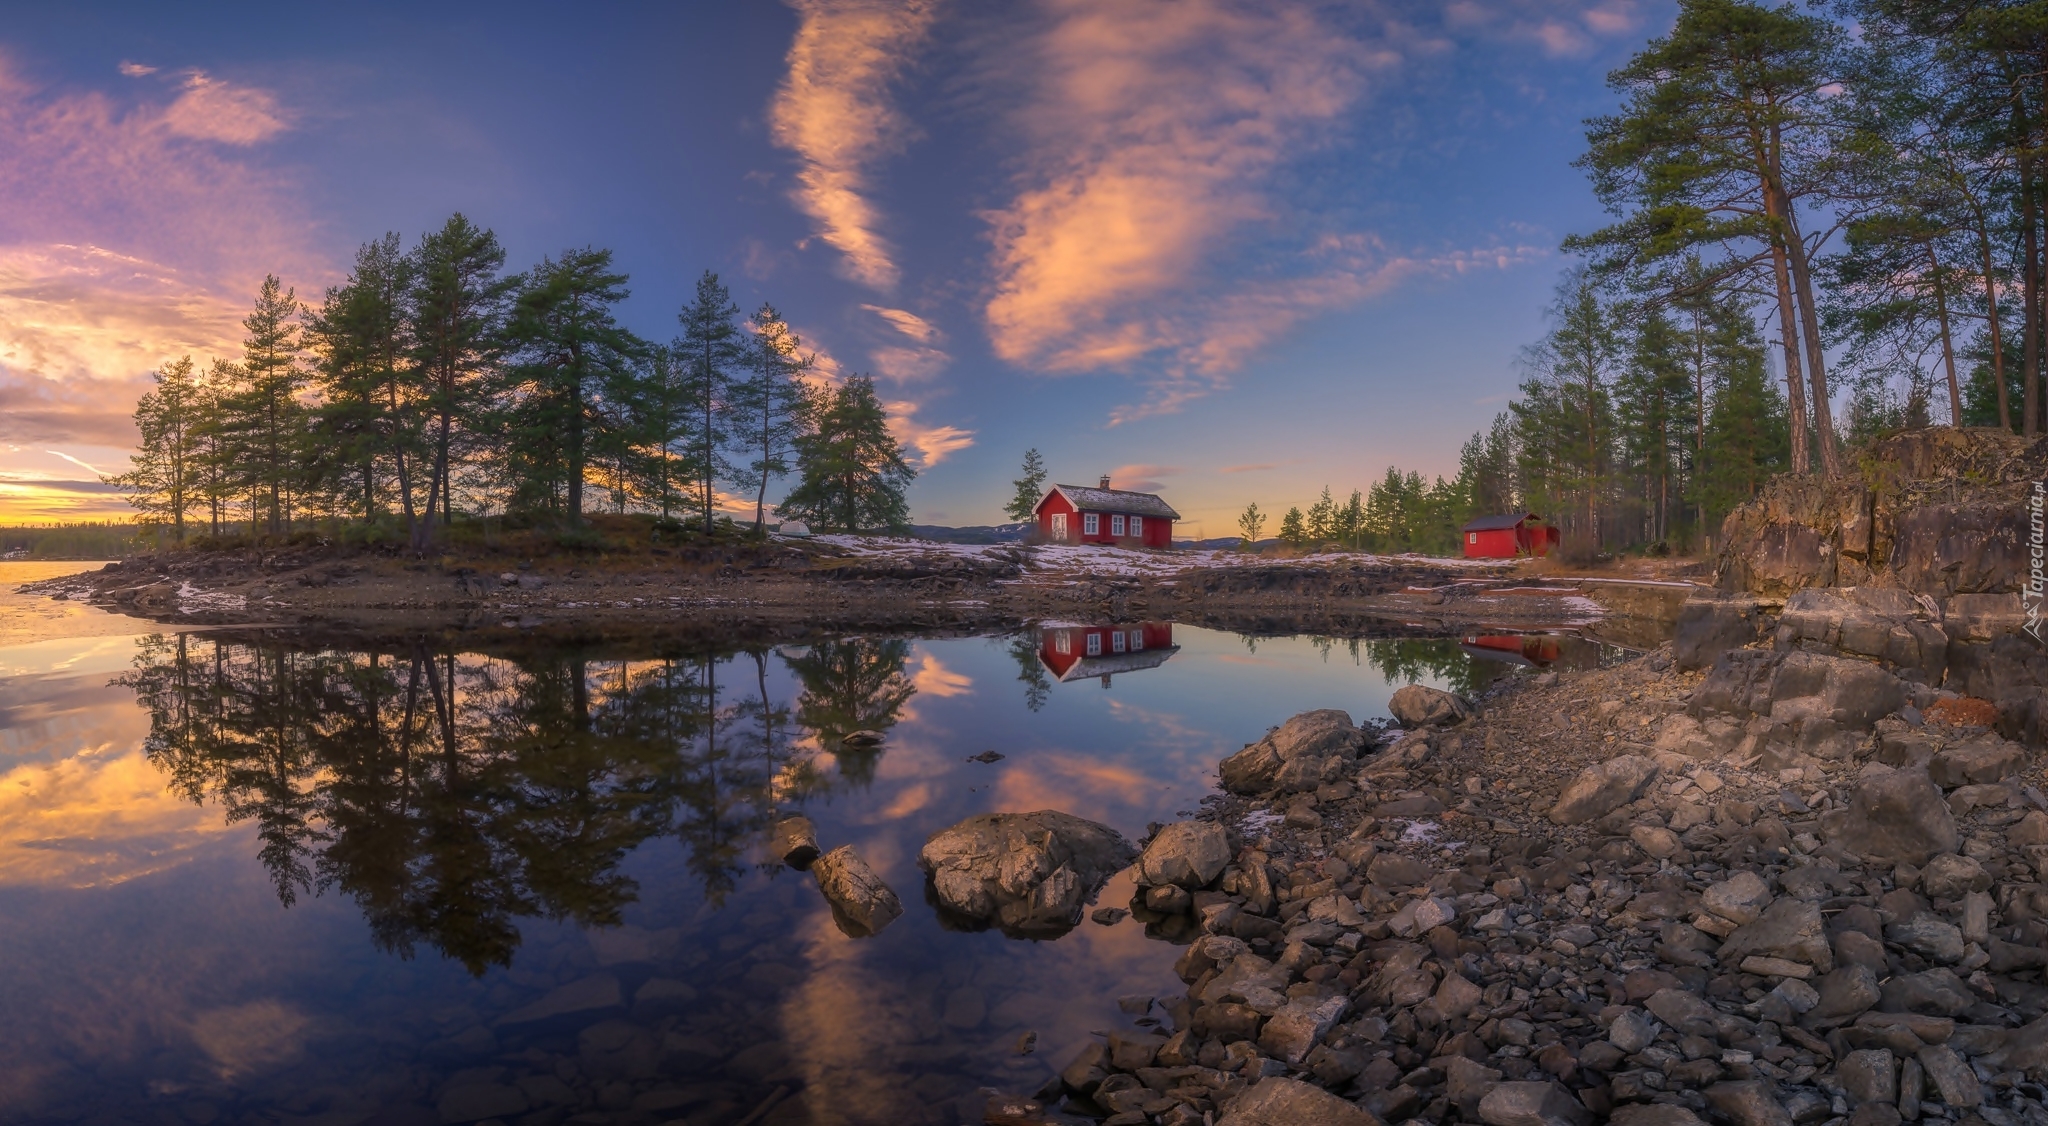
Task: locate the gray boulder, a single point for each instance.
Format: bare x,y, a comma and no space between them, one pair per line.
1187,854
1937,992
1882,623
1028,873
1790,928
1986,758
1295,756
1897,818
1416,705
1950,876
1603,788
861,903
1707,628
1532,1104
1277,1101
1748,1102
1740,898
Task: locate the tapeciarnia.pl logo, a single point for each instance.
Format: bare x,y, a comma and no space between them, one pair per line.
2037,583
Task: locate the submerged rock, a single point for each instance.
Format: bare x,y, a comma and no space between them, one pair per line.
1028,873
861,903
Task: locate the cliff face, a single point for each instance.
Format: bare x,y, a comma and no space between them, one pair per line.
1932,533
1939,512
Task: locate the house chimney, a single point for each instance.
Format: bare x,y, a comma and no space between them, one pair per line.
1105,480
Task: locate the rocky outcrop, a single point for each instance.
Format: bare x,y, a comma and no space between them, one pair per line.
1305,752
1418,705
1027,873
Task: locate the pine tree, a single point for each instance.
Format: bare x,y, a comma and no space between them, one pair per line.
1351,521
163,483
567,351
367,421
456,307
1292,533
1028,489
1653,413
1321,526
1251,524
711,352
852,471
1748,431
768,405
264,411
661,462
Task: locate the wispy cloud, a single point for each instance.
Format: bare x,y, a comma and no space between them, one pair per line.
834,111
1144,478
926,444
213,110
907,323
920,358
136,70
1562,28
1150,148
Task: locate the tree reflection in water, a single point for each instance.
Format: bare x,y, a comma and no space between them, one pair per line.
452,795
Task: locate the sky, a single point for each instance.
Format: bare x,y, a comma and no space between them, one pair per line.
1225,251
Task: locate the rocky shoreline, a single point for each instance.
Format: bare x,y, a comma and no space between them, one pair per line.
1760,885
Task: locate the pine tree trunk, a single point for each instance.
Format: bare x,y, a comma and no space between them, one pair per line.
1788,331
1809,331
1948,352
1991,305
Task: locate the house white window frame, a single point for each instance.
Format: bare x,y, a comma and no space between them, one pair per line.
1091,524
1117,641
1094,645
1137,641
1116,525
1137,525
1063,643
1471,537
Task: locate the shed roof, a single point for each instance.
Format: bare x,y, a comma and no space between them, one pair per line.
1087,499
1107,664
1496,523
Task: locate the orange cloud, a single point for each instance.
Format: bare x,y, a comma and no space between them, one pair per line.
213,110
928,445
1144,478
834,112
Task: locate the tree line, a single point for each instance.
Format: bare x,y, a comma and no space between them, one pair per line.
432,385
1805,220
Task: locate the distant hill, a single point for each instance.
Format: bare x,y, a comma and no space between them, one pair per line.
982,533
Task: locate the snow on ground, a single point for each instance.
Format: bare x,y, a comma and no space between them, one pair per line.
1100,560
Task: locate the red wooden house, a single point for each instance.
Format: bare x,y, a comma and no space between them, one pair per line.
1078,514
1507,537
1076,652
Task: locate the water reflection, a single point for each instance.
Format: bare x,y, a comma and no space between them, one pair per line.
1076,652
450,795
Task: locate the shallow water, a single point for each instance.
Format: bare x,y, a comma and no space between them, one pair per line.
245,880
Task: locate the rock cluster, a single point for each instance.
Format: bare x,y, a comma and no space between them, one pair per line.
1771,894
1028,873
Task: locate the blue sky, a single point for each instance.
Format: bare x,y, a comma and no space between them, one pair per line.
1237,251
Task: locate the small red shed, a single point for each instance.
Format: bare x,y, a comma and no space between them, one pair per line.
1506,537
1078,514
1077,652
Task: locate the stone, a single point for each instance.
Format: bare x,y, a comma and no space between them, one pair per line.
1951,1076
580,1001
1632,1031
1929,936
1897,818
1604,787
1740,898
1912,1079
1532,1104
1168,899
472,1102
1189,854
1297,749
1129,1051
1869,1076
2031,830
1707,628
1467,1082
1027,873
1950,876
1417,705
1292,1032
1986,758
1937,992
1775,967
1685,1012
1455,996
1653,1114
795,841
1844,994
1748,1102
1392,870
861,903
1658,842
1279,1101
1790,929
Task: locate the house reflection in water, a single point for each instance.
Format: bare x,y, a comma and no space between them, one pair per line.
1077,652
1537,650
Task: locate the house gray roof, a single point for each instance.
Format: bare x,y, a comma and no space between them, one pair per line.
1495,523
1088,499
1106,664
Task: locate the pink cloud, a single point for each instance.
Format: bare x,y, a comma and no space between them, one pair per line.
1563,28
833,110
213,110
926,444
1143,478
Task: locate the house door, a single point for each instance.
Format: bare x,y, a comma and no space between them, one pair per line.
1059,527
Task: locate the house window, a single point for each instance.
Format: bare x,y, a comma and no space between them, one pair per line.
1116,525
1471,537
1116,641
1063,642
1095,645
1137,525
1091,524
1137,640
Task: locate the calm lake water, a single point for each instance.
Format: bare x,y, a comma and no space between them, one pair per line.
247,880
